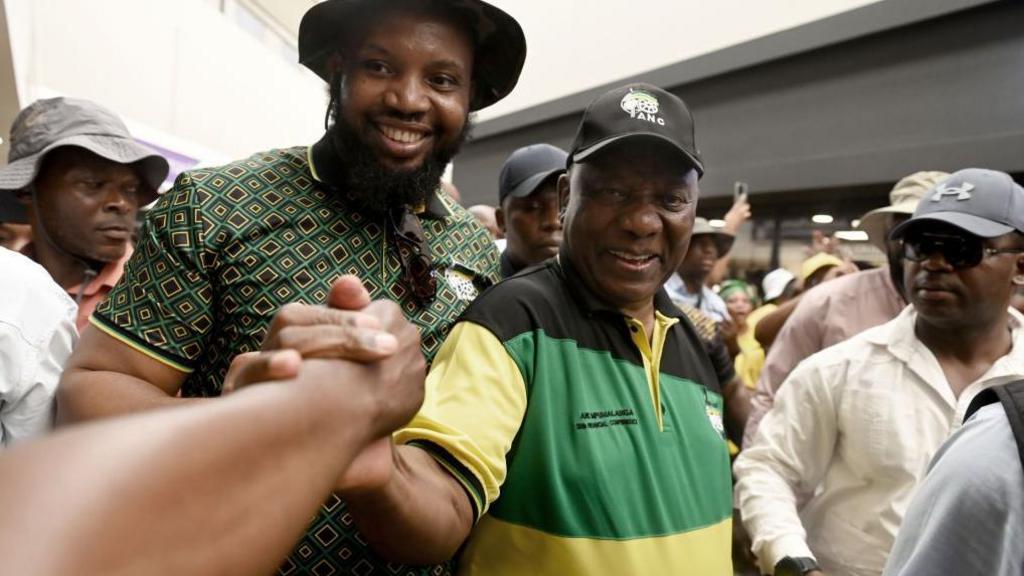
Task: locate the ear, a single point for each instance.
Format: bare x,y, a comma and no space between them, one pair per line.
499,218
563,196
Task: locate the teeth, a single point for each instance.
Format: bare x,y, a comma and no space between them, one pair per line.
403,136
631,257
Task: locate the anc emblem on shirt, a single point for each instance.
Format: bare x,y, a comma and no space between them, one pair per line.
642,105
461,283
715,417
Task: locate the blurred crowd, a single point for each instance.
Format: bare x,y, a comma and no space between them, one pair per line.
315,360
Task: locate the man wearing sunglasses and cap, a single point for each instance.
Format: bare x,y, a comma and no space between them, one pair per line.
78,177
573,422
241,257
854,427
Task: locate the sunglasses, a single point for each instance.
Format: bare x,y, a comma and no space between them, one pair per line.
414,253
959,251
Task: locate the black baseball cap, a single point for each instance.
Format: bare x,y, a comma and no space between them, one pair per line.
636,110
986,203
499,40
527,168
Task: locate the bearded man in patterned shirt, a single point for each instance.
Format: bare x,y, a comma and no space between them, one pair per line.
233,256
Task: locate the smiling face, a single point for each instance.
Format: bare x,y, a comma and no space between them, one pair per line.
406,87
629,211
86,203
956,298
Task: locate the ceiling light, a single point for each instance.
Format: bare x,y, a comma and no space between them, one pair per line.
822,219
852,235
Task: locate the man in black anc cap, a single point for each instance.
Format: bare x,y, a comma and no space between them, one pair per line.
573,422
528,210
237,257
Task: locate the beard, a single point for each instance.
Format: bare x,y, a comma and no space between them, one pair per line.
377,188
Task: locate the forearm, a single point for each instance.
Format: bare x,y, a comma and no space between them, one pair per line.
224,487
421,516
768,507
86,395
737,409
767,328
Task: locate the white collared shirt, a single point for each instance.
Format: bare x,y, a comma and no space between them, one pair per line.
37,333
851,435
706,300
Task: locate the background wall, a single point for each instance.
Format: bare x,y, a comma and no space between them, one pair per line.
182,74
579,44
217,79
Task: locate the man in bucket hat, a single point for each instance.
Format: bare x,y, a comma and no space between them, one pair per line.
572,396
245,256
837,460
77,176
687,286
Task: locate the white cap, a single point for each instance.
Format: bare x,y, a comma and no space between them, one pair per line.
775,282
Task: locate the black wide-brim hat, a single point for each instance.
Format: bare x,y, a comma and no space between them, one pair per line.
500,49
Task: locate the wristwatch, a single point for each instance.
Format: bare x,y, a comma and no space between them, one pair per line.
790,566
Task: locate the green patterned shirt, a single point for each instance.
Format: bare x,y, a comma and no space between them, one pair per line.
227,247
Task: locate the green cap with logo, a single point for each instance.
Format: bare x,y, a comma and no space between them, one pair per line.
637,111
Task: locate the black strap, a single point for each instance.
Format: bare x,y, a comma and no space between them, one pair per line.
1011,396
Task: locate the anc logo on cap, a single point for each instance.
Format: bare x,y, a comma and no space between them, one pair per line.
642,106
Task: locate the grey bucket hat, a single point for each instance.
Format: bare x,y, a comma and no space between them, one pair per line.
723,240
54,122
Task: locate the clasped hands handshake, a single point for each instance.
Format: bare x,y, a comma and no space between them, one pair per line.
359,351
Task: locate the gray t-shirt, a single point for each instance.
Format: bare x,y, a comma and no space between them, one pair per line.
968,515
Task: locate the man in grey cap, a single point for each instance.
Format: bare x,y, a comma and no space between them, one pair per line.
528,214
834,466
241,257
78,177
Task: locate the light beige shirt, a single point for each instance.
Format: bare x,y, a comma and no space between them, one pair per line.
847,442
828,314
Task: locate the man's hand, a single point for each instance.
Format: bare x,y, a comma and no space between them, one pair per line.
737,215
340,330
727,330
252,367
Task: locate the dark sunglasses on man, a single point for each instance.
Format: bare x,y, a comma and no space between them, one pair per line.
958,250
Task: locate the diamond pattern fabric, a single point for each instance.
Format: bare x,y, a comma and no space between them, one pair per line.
227,247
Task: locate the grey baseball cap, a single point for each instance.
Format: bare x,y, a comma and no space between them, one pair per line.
54,122
986,203
527,168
